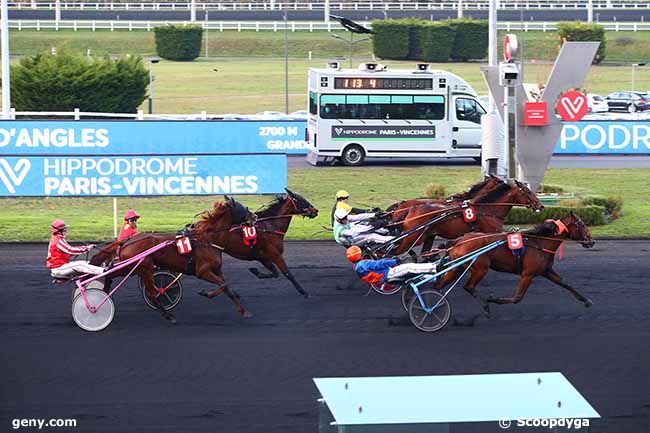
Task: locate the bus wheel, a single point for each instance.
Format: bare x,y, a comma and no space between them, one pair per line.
353,155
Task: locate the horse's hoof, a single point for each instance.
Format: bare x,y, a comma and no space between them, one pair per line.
203,293
254,271
247,314
588,303
486,311
170,318
306,295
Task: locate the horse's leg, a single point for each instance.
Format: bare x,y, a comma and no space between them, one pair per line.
268,265
553,276
217,278
278,260
477,273
146,274
428,243
524,283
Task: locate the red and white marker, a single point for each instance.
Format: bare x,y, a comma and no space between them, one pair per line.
572,106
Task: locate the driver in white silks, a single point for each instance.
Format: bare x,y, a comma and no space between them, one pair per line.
350,229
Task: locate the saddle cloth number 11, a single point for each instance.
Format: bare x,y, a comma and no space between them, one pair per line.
183,245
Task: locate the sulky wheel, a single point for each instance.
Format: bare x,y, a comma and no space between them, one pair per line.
93,320
92,285
386,288
171,296
429,322
407,296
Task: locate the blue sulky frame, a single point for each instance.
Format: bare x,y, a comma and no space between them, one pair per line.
417,282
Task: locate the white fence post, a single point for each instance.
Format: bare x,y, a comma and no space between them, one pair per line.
76,114
140,115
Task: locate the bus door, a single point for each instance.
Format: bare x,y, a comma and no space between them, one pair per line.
467,125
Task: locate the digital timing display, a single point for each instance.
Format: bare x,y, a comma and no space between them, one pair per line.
383,83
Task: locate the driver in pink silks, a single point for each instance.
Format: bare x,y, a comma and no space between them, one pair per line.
59,252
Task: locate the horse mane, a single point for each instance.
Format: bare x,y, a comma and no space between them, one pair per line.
495,194
210,218
473,190
547,228
271,209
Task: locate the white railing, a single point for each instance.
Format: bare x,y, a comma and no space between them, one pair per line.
140,115
275,26
334,5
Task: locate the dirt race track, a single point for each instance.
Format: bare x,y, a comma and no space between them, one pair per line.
217,372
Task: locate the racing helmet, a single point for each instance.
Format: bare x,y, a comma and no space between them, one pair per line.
131,214
353,254
342,194
57,226
341,213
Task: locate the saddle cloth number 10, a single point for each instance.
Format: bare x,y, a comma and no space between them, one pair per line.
183,245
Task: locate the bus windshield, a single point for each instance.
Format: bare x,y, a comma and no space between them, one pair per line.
382,107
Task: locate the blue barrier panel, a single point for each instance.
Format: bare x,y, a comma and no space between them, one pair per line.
150,137
596,137
142,175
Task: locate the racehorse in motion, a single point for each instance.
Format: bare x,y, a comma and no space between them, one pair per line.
204,260
534,259
267,243
489,210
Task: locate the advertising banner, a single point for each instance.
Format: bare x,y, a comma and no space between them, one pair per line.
596,137
165,175
381,132
150,137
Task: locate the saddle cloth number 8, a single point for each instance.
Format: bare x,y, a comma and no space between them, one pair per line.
469,214
183,245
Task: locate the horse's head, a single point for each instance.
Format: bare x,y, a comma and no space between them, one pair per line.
300,204
578,231
521,194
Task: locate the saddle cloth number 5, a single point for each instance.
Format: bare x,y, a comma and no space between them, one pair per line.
515,241
183,245
469,214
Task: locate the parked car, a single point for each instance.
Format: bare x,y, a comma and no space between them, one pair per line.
628,101
597,103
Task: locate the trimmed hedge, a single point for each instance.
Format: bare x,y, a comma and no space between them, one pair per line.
612,205
590,215
391,39
578,31
437,41
181,43
66,81
415,39
471,40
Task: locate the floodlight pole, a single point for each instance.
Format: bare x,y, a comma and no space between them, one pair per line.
590,11
634,66
492,44
286,61
57,13
327,11
206,35
6,88
351,47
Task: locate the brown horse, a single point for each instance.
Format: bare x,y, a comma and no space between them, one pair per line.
540,246
400,209
204,261
490,209
272,223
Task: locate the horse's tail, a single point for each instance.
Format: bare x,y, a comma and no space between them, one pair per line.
106,253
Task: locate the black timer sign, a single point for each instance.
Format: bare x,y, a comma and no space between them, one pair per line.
383,83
